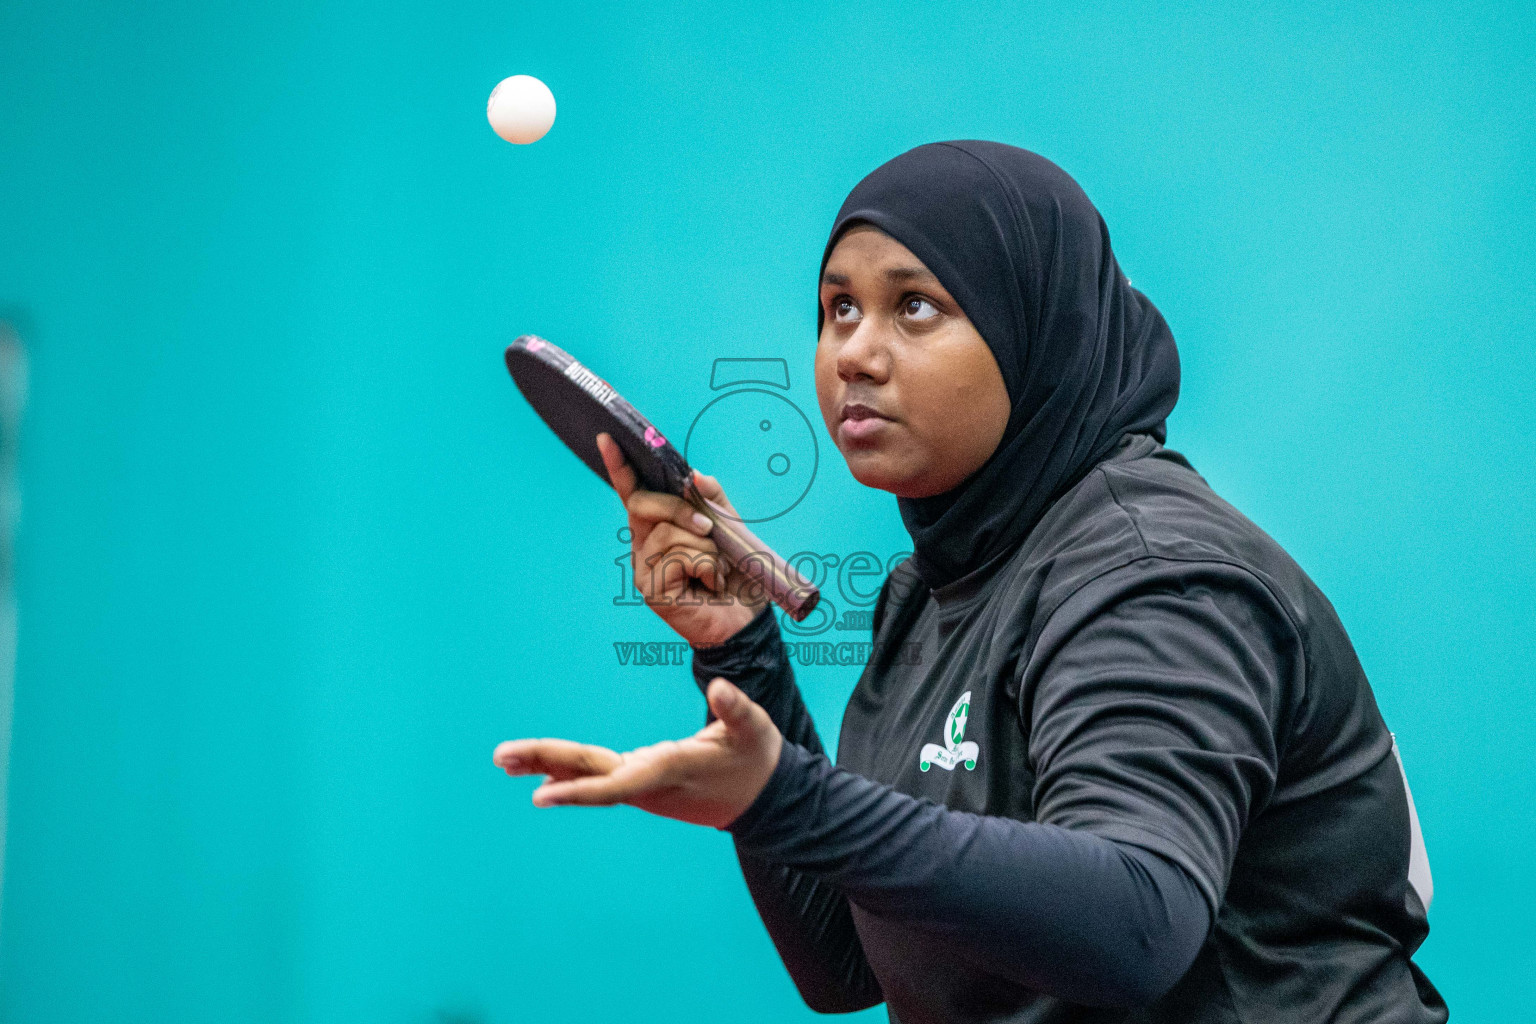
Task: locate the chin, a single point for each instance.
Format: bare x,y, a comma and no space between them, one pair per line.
878,473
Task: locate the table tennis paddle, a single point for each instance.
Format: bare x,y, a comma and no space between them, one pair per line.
578,405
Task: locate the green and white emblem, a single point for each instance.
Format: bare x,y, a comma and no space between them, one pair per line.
955,749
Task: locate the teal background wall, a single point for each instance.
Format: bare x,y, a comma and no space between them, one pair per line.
294,555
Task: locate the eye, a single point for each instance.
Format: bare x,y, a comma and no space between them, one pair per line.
845,310
915,307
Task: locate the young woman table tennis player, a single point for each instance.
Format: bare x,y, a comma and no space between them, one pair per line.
1137,772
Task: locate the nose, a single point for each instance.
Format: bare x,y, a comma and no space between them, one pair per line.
865,354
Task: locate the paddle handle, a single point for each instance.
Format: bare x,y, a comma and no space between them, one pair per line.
783,584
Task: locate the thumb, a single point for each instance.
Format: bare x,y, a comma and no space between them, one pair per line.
709,487
730,705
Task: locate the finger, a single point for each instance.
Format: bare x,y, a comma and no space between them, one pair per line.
543,756
708,486
733,707
714,573
619,472
668,508
671,557
668,539
623,478
563,758
636,776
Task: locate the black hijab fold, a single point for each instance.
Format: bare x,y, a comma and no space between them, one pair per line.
1086,357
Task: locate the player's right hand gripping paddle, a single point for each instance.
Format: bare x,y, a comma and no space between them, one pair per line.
578,405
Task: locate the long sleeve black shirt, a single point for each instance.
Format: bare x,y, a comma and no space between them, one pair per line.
1135,773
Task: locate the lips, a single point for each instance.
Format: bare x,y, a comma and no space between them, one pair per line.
856,411
860,422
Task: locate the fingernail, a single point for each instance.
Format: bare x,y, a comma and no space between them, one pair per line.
703,522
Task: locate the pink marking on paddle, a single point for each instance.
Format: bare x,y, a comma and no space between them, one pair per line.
654,438
535,344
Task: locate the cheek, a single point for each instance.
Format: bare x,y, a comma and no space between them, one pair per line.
828,385
987,408
964,402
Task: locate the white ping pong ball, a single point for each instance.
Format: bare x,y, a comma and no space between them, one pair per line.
521,109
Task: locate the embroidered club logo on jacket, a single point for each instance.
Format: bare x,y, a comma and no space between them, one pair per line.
955,749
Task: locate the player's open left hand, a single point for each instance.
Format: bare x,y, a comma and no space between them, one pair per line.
707,779
678,568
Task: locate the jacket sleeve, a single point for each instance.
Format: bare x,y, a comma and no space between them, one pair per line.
1150,714
807,918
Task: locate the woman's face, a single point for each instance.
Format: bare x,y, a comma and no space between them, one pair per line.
909,391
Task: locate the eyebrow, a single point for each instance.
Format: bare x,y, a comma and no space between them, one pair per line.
892,274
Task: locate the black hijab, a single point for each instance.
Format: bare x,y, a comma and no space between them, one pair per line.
1086,357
